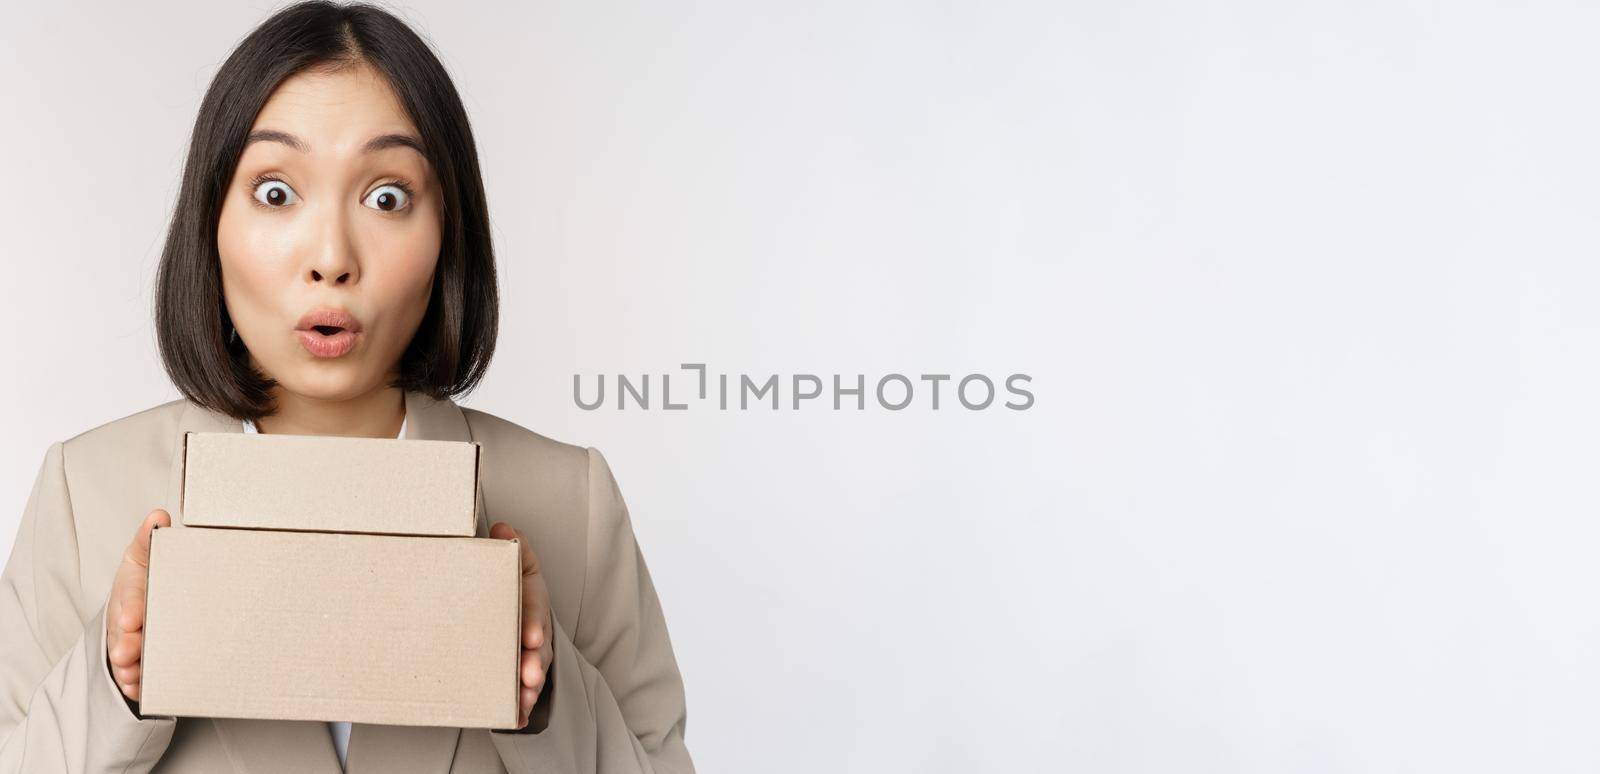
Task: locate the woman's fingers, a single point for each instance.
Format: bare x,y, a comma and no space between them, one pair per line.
503,531
537,635
139,550
535,610
130,608
533,671
537,639
529,696
125,607
533,627
535,597
126,675
537,651
127,649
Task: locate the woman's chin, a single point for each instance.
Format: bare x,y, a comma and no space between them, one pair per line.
329,381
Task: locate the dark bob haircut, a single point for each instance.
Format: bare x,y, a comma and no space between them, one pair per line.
452,346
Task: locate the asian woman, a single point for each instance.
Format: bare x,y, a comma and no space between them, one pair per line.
329,271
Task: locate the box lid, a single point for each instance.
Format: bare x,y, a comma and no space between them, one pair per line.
331,484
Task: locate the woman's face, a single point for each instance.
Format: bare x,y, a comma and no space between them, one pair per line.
329,235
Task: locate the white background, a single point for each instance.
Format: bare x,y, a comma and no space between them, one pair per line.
1307,293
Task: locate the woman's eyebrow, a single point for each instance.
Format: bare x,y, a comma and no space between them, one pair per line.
273,135
381,142
386,141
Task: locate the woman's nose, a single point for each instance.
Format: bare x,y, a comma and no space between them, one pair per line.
336,279
334,260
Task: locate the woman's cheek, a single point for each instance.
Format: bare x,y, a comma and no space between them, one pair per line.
252,262
409,258
416,258
248,285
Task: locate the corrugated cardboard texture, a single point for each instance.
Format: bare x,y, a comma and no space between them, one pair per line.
383,629
377,485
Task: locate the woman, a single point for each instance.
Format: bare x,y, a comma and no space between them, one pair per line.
329,271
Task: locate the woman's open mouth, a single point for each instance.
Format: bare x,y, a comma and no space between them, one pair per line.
328,332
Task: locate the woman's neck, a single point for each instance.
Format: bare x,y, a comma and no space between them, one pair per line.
377,414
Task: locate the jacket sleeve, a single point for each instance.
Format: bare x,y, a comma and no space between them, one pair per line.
60,710
613,702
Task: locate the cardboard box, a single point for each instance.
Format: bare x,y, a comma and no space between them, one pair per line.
298,482
420,631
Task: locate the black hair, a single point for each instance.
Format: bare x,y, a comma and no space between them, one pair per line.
455,340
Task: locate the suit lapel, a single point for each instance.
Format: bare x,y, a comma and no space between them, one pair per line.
278,746
264,746
435,420
407,749
442,420
194,419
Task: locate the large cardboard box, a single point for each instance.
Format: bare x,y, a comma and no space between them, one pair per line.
379,485
326,626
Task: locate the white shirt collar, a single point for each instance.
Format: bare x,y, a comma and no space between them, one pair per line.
250,427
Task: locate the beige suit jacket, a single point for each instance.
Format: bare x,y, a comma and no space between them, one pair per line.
615,699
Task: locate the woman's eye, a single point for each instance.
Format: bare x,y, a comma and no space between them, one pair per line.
389,198
275,193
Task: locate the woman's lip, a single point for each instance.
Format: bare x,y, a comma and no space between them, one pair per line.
336,345
332,318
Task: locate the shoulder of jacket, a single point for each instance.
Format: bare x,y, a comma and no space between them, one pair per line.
502,438
149,430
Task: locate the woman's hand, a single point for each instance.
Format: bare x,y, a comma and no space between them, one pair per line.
537,628
125,607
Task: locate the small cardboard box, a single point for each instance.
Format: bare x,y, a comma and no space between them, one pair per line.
420,631
300,482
